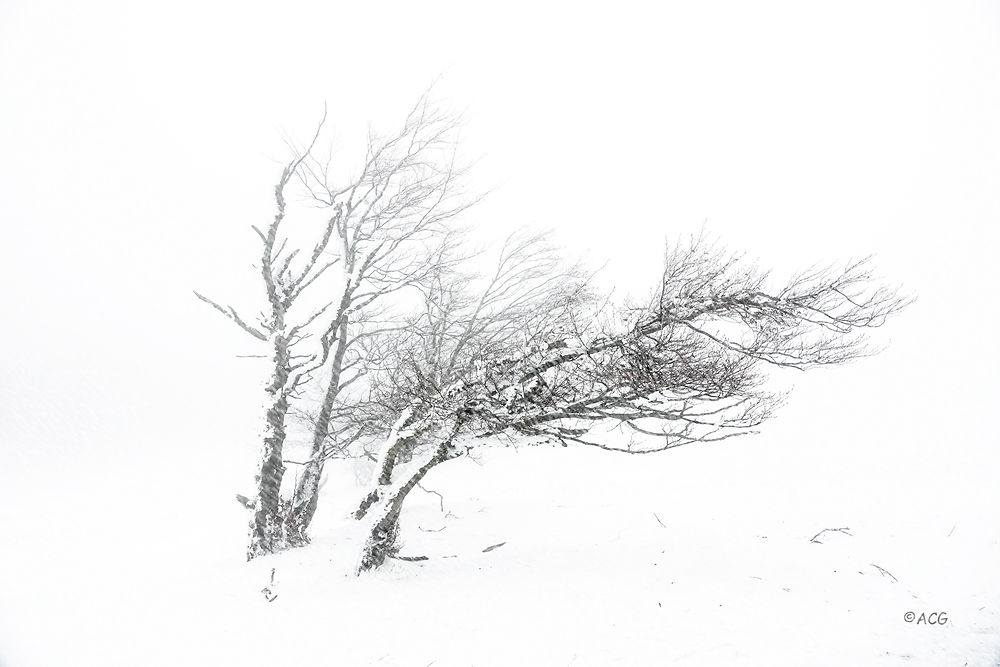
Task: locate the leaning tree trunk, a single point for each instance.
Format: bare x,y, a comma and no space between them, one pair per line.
304,504
266,533
384,533
306,496
404,434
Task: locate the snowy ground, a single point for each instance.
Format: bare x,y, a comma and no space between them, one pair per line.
700,556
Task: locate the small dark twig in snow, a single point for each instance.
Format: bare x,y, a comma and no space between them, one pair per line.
269,594
440,497
845,530
658,520
885,573
432,530
417,558
952,530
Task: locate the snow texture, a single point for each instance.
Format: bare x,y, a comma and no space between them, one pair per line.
702,556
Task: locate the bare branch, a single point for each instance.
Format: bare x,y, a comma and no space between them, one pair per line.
231,313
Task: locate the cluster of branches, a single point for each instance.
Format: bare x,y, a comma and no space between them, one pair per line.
416,358
688,366
387,228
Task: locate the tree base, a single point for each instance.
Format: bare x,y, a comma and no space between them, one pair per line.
383,543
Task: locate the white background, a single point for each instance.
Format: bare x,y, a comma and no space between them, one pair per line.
138,143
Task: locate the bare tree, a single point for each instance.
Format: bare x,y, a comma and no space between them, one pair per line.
686,367
389,227
689,366
395,231
471,326
524,349
284,281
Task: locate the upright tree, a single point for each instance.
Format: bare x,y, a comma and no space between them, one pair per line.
388,227
284,332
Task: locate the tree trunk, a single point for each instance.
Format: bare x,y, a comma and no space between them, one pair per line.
381,542
266,532
306,497
303,508
382,539
403,434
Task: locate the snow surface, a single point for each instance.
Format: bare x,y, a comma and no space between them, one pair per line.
699,556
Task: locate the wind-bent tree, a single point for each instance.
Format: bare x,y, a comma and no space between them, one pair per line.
389,227
523,350
469,324
689,366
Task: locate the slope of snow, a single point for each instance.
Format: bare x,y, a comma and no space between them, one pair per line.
700,556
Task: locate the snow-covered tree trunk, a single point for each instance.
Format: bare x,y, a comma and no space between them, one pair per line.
304,504
405,433
266,532
383,513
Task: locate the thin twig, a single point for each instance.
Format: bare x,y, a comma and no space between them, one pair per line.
885,573
845,530
440,497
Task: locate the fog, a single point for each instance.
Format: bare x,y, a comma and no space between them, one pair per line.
139,144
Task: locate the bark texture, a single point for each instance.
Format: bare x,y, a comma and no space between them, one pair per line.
382,541
266,532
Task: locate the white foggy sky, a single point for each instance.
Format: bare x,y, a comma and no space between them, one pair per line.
139,142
